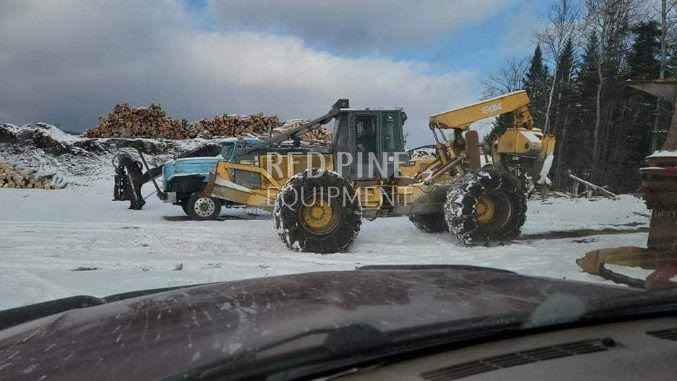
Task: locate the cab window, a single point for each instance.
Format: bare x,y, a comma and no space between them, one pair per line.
365,133
390,140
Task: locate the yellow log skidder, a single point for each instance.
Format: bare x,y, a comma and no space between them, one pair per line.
320,195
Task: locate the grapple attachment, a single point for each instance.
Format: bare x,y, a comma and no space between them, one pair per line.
128,180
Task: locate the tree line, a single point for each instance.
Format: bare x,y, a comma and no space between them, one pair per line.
577,81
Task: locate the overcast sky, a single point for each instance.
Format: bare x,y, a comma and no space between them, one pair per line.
66,62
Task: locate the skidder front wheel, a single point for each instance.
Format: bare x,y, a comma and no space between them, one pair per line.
485,207
317,211
202,208
430,223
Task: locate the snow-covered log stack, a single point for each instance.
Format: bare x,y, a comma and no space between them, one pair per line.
11,177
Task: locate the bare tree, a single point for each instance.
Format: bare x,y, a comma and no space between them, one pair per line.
508,79
563,24
667,27
666,9
610,19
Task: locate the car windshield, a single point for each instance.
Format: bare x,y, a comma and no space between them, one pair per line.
162,145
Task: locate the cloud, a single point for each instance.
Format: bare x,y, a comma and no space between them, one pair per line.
356,25
67,62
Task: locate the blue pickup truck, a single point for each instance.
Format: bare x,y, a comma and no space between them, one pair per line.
185,178
182,179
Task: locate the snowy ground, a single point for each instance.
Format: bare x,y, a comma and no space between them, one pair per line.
45,236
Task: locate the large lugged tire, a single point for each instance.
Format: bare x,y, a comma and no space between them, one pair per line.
519,177
317,211
486,207
202,208
430,223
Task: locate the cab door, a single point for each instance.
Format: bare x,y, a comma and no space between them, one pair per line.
367,142
344,145
391,142
367,147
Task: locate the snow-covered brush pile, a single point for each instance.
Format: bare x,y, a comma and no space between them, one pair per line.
50,154
12,177
45,152
423,153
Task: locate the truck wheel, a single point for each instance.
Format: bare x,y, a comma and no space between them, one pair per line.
202,208
317,211
485,207
430,223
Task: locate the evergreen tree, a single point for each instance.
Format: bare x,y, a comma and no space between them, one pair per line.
498,127
643,59
588,71
565,72
634,117
536,85
580,134
562,111
567,63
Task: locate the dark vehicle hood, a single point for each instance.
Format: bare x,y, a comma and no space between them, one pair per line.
155,336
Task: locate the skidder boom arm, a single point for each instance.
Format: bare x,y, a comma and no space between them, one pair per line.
462,117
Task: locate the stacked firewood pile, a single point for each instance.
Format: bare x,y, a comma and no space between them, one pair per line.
11,177
235,125
126,121
152,122
139,122
319,135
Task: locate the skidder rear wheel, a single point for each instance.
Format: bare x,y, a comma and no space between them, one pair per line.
430,223
484,207
317,211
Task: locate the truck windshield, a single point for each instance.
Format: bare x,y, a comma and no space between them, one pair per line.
227,151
